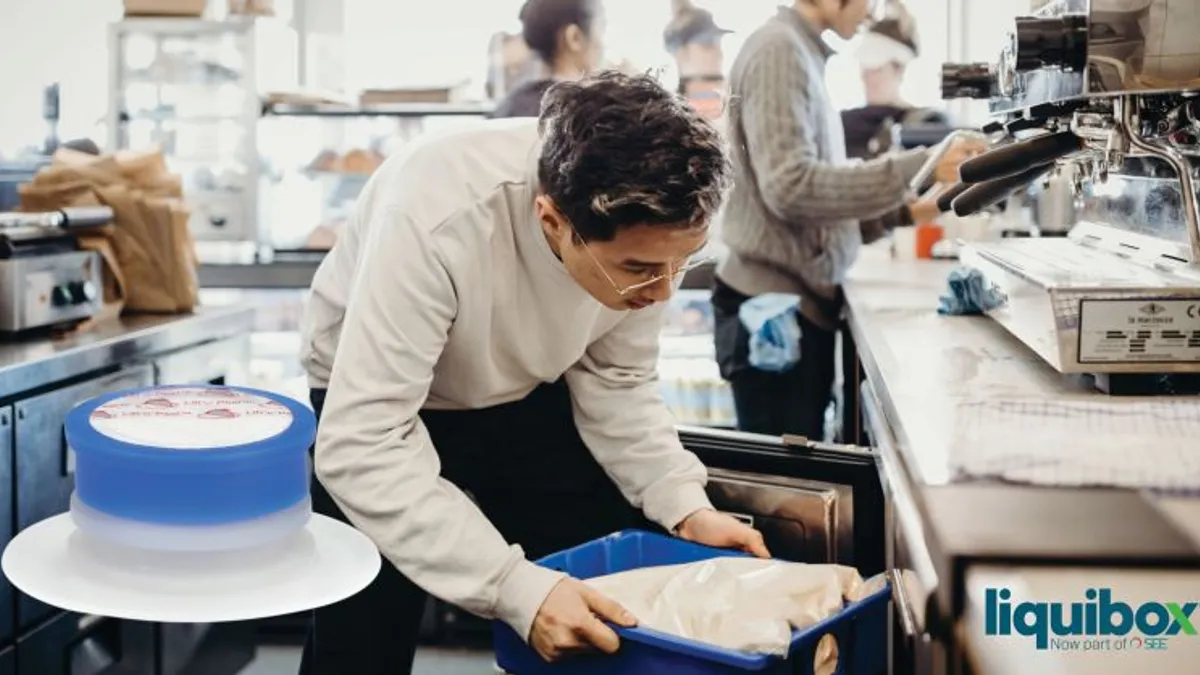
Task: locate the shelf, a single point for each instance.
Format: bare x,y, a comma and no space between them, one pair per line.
390,110
167,116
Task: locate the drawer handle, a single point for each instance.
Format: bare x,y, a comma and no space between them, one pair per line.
745,518
68,465
908,619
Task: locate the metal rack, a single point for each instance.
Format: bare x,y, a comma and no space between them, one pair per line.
193,87
391,110
304,146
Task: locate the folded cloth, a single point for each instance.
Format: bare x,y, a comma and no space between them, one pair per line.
771,320
969,293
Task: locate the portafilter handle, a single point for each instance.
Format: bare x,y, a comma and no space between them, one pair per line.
1018,157
945,200
979,196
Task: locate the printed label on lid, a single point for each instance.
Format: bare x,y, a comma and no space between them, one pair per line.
190,418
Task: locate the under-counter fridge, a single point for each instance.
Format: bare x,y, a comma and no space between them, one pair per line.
814,502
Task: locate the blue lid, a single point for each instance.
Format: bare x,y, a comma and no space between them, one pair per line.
191,454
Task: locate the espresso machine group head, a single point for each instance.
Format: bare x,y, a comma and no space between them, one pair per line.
1109,89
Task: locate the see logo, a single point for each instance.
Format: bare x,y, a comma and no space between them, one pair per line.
1098,615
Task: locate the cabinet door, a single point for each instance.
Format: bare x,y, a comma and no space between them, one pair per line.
8,607
813,502
916,646
45,466
218,362
8,661
74,644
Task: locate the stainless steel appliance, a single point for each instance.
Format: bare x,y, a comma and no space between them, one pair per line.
1108,88
45,279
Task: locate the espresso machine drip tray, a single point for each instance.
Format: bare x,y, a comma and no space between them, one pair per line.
1086,310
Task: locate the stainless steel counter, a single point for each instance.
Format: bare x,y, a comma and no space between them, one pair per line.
929,377
32,364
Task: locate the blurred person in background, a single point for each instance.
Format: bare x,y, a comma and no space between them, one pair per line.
693,39
567,36
792,220
884,52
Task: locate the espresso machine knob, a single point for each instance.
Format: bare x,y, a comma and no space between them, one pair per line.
1050,42
968,80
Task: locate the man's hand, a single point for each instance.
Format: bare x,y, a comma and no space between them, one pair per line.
960,150
720,530
925,208
924,211
571,620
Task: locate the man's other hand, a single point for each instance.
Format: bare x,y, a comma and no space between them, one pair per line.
925,209
571,620
720,530
960,150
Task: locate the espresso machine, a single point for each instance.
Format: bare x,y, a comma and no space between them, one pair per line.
1104,94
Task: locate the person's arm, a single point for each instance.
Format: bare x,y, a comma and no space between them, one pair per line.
625,423
777,115
374,454
874,229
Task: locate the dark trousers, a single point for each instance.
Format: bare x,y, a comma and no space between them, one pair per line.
531,475
791,402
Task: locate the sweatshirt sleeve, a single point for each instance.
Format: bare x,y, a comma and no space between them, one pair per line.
374,454
625,423
778,116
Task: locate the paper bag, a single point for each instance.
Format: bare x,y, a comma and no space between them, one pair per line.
187,287
136,252
113,279
149,256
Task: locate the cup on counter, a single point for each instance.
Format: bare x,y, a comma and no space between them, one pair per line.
904,243
974,227
927,234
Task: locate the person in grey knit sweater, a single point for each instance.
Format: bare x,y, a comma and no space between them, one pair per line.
792,220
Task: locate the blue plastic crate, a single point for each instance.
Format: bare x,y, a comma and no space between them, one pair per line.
860,629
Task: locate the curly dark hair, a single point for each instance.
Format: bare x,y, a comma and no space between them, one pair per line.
620,150
542,21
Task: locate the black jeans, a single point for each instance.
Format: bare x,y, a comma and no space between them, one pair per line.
531,475
791,402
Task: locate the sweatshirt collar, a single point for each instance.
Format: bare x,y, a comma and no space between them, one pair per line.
533,186
801,25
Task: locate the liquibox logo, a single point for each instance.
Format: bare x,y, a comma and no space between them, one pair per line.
1099,623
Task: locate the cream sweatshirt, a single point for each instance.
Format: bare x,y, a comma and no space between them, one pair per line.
442,292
